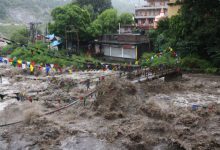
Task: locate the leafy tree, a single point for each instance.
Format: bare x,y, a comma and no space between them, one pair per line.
108,21
126,18
95,29
98,5
202,19
90,9
21,36
70,18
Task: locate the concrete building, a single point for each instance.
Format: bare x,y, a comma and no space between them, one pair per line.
145,15
122,47
173,7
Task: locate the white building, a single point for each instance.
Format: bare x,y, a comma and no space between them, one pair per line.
145,15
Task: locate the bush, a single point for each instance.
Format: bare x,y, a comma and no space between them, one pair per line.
211,70
6,50
165,59
147,55
195,62
42,55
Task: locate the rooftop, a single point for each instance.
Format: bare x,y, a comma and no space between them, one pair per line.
123,39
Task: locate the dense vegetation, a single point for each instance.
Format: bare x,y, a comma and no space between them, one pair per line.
194,34
40,53
75,18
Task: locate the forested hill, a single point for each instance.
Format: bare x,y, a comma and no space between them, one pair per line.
25,11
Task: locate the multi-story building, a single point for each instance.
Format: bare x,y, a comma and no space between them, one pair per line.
145,15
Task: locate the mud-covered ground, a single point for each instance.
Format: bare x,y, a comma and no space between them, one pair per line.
154,115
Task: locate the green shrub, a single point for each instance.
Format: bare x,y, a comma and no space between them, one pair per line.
147,55
195,62
42,55
6,50
211,70
165,59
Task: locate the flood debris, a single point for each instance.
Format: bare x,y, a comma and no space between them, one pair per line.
179,115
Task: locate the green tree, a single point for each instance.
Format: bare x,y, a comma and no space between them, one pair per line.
98,5
95,29
90,9
108,21
126,18
194,31
70,18
21,36
201,19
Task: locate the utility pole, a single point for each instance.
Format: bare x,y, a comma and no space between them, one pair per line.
119,28
31,35
45,33
72,30
66,37
33,31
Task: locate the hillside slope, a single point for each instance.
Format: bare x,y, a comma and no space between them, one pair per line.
15,14
25,11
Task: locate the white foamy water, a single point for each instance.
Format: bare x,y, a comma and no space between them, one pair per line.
5,90
4,81
3,105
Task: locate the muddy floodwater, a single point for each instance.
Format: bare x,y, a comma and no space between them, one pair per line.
154,115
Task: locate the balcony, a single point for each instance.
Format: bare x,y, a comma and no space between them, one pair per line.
144,17
145,27
151,7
